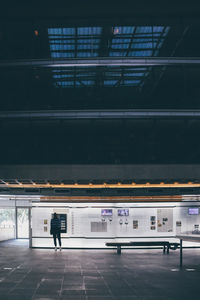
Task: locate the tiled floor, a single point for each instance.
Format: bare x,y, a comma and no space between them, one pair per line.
97,274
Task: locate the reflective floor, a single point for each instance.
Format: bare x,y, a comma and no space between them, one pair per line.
96,274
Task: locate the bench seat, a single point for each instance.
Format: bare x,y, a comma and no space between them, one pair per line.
164,244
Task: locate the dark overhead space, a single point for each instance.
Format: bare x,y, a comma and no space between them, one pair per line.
157,87
35,37
34,87
97,87
100,142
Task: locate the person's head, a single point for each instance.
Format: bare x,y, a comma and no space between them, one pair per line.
55,216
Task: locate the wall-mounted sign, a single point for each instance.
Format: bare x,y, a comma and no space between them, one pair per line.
63,221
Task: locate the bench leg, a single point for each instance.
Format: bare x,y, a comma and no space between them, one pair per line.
168,249
118,249
164,249
181,253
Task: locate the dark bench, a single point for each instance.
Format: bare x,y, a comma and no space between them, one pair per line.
166,245
174,246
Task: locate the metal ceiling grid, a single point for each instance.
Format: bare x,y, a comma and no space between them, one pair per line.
87,42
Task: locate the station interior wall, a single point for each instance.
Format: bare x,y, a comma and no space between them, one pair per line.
87,228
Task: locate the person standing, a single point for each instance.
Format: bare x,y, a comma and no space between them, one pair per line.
55,230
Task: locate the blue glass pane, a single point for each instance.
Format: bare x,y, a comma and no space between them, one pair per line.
89,30
62,54
66,41
85,74
134,74
113,74
61,31
120,41
140,53
123,30
89,46
131,82
120,46
88,41
87,54
149,29
115,53
144,45
62,75
87,82
110,82
54,47
65,83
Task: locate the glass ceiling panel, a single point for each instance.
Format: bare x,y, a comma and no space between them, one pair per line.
86,42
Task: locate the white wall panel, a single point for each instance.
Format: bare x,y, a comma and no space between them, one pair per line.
119,228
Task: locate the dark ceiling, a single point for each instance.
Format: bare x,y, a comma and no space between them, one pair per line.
37,31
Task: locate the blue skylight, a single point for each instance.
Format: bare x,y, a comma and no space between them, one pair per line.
123,30
85,42
62,47
64,83
62,75
87,82
87,46
61,31
62,54
131,82
62,42
89,30
110,82
149,38
120,46
141,53
145,45
117,53
87,54
134,74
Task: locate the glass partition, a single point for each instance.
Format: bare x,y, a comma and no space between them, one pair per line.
7,223
22,223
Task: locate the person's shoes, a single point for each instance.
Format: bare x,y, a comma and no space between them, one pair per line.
55,248
60,249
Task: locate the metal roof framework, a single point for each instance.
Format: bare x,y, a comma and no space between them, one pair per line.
93,42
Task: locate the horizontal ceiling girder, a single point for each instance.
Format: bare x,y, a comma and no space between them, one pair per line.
100,114
106,61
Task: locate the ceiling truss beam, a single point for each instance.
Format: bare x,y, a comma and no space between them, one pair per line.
106,61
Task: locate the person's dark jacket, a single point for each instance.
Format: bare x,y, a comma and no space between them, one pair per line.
55,226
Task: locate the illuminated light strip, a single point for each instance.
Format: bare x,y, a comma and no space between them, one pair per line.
104,185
